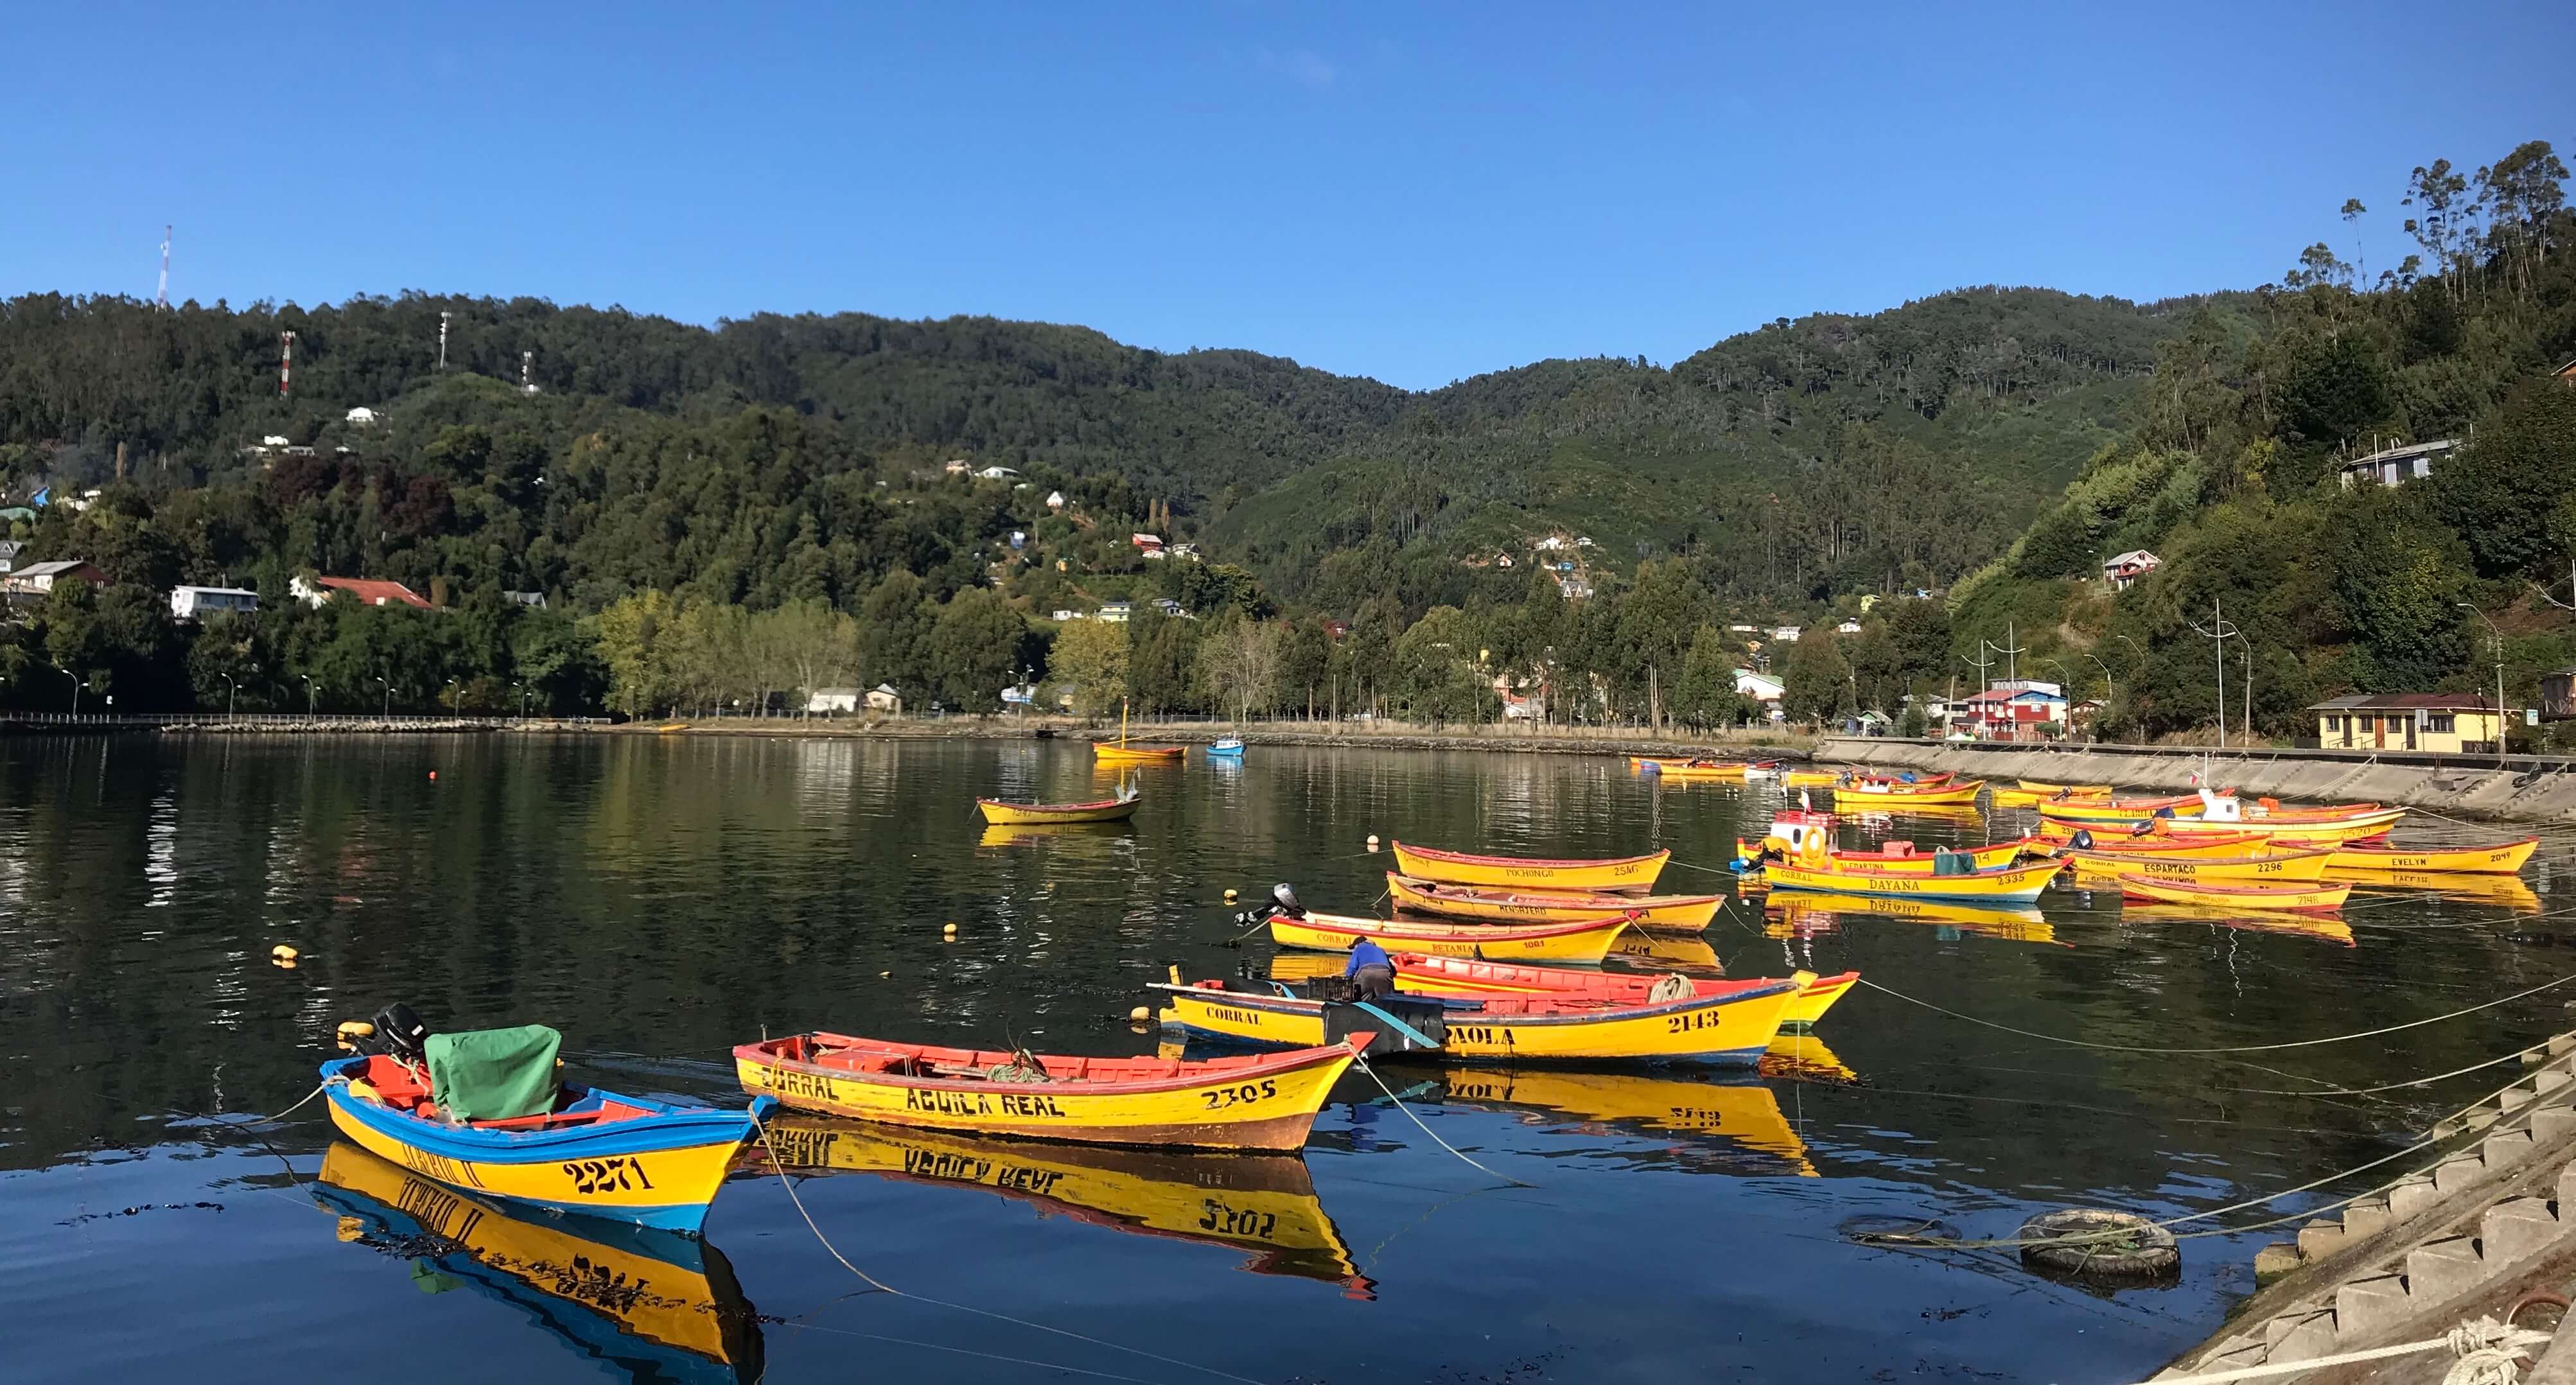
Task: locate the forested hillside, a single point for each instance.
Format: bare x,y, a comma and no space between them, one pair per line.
2230,476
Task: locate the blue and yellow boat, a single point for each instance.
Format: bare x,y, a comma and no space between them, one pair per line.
622,1158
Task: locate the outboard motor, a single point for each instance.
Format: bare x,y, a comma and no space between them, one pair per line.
2082,840
1287,901
400,1033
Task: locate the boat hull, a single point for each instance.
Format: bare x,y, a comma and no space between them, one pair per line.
2507,858
2011,885
1452,976
1731,1029
1111,753
1002,814
2275,898
1554,942
2285,868
1859,798
1506,906
1801,913
1515,872
1244,1104
656,1171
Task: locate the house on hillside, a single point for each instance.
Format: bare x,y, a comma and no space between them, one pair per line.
188,603
1149,545
958,466
9,549
2394,466
2457,723
1055,500
825,701
1848,627
998,473
883,698
1117,612
1172,609
38,579
367,591
1761,687
2558,695
2013,711
1572,587
1063,614
1785,634
361,417
2567,373
2120,573
537,599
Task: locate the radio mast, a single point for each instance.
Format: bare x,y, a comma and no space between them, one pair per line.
286,365
162,299
442,341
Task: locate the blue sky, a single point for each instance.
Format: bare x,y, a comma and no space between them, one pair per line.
1413,192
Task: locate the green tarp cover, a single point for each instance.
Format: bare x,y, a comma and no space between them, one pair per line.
494,1074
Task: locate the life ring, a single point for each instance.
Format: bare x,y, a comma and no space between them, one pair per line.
1812,851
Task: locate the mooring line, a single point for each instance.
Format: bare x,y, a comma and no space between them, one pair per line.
2231,1048
780,1167
1427,1130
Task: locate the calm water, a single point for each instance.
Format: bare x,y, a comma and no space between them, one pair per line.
660,900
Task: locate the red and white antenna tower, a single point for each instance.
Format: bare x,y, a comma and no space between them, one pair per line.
162,299
286,365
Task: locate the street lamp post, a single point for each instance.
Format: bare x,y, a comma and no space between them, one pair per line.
76,687
2499,667
309,695
2109,691
232,697
522,690
389,697
455,703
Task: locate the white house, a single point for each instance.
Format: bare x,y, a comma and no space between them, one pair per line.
2120,572
997,473
1785,634
1116,612
1172,608
2394,466
829,700
1585,542
883,698
524,598
1550,544
362,417
1061,614
1055,500
1761,687
1849,627
188,603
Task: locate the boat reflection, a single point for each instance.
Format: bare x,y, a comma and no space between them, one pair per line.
1263,1203
653,1304
1733,1128
1803,913
1688,952
1805,1058
2496,891
2321,927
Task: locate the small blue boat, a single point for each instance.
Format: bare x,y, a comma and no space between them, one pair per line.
624,1158
1231,748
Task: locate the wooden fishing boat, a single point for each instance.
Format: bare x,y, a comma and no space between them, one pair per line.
2284,868
1678,911
1732,1024
1227,748
2356,827
2503,858
1462,976
1904,858
1719,771
1584,940
2052,790
2119,812
1742,1114
2236,895
625,1158
1649,763
2164,844
1263,1204
1117,753
1003,814
2007,885
1524,872
665,1305
1861,797
1227,1103
1795,914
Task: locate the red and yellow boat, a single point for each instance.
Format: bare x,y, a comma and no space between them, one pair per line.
1583,940
1521,872
1266,1102
2282,868
2005,885
1461,976
2161,844
1468,902
1001,814
2326,895
2502,858
1732,1023
1867,795
1903,858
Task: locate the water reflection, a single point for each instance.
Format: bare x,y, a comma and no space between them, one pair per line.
1734,1127
655,1305
1263,1203
1811,914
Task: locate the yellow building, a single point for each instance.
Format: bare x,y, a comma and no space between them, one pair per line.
2456,723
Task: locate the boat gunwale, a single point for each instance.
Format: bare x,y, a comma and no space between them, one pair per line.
1605,901
1553,863
1448,932
1467,1011
1193,1072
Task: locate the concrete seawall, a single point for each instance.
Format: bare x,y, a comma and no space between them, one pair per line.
2524,788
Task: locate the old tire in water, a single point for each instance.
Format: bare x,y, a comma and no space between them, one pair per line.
2100,1247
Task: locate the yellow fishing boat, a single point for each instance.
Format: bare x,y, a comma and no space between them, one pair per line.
2235,895
1732,1024
1746,1114
2008,885
2285,868
1866,796
1527,872
1581,941
1905,858
2503,858
1677,911
663,1304
1261,1203
2356,827
1267,1102
1809,778
2049,790
2120,812
1718,771
1002,814
1797,914
2166,845
1119,752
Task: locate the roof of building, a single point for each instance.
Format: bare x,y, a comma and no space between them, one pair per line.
2406,702
375,591
2135,557
219,591
2402,452
57,568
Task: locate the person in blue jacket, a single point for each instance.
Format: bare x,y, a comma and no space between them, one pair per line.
1371,969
